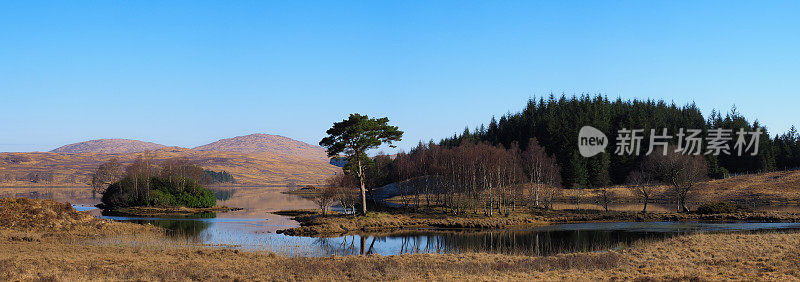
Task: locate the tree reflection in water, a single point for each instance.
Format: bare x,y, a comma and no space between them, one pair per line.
536,243
181,229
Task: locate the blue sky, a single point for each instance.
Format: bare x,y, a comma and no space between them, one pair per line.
187,73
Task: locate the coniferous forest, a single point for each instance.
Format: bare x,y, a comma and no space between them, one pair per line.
523,158
555,122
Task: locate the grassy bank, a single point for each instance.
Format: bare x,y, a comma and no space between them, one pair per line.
694,257
314,224
47,240
167,211
48,218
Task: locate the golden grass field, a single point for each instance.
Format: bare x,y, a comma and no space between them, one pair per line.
44,240
771,189
759,189
247,168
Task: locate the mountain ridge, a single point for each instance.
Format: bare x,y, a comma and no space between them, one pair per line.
108,146
253,169
266,143
255,159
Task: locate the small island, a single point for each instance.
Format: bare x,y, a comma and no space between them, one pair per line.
144,188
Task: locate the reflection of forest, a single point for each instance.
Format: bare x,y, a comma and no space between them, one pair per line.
264,199
183,229
222,194
347,245
506,242
524,242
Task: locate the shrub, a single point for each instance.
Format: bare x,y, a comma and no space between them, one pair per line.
719,207
160,198
158,191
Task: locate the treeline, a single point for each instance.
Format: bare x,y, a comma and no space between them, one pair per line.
211,177
525,159
477,177
555,123
787,149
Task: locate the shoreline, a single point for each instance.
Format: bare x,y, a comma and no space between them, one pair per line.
772,256
47,240
313,224
144,211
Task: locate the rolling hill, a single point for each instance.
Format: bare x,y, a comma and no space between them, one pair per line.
267,143
253,160
108,146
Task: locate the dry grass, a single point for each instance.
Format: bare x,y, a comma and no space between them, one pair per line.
46,240
36,260
770,189
781,187
147,211
693,257
313,224
53,220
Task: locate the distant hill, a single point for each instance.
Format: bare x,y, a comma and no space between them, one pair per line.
19,169
257,159
108,146
267,143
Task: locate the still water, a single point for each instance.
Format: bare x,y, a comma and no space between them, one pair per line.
560,238
254,227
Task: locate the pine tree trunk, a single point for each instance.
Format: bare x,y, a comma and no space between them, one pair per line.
363,189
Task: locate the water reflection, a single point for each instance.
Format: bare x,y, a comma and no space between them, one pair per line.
179,228
223,194
254,228
537,242
547,240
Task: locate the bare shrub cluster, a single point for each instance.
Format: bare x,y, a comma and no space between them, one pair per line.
477,177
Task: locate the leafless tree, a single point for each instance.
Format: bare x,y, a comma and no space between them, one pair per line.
537,163
106,174
473,177
176,170
325,198
641,184
606,197
140,171
680,171
345,191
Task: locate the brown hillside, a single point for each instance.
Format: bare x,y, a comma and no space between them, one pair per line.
247,169
266,143
761,186
108,146
774,188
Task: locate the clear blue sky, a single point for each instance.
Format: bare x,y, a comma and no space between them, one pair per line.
187,73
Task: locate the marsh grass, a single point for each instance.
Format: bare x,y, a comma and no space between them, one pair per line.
764,256
80,250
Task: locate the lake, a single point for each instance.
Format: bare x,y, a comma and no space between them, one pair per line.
253,228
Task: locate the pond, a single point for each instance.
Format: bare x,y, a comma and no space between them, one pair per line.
254,227
552,239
